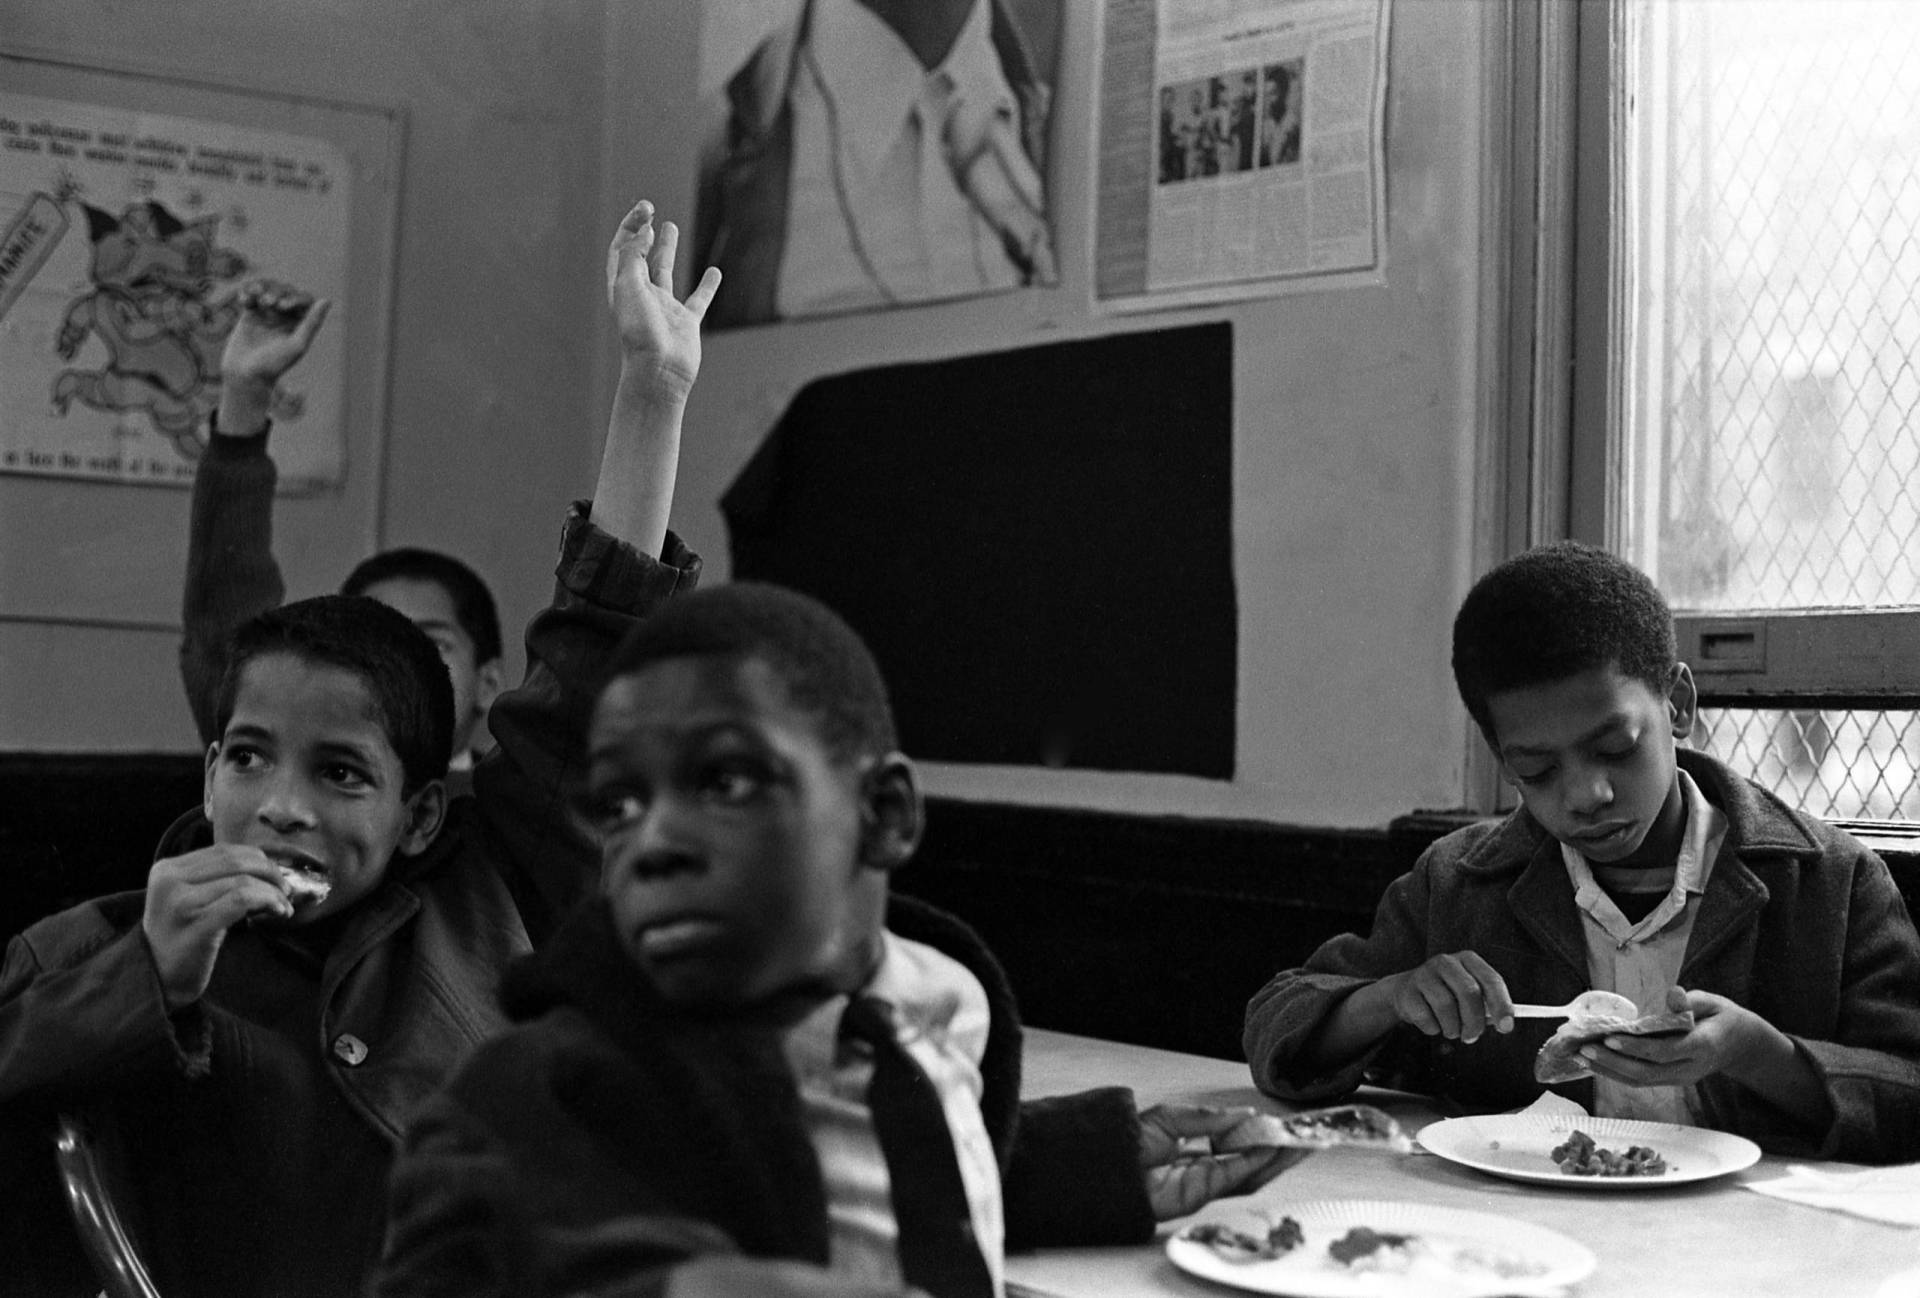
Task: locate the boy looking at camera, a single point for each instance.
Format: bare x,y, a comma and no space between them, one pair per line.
1632,866
699,1097
231,572
259,1056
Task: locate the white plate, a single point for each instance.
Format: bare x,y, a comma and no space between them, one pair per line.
1519,1146
1459,1253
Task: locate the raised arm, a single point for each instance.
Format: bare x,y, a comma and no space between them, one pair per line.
231,573
659,360
617,563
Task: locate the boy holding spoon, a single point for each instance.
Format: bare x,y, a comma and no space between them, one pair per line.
1631,866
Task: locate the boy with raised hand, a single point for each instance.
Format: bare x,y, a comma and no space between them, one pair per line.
231,571
1631,866
703,1095
321,942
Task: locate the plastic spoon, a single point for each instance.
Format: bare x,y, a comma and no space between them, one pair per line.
1585,1005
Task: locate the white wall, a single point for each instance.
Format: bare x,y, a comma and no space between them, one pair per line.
490,423
1357,414
531,125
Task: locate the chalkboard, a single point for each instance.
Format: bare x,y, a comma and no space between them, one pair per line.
1036,543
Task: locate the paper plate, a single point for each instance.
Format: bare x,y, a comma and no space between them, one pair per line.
1450,1253
1519,1146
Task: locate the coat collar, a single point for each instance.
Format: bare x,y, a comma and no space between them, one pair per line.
1760,831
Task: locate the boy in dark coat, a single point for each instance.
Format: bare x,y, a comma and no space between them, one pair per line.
1631,866
693,1100
259,1054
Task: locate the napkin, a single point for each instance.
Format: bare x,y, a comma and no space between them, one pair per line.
1889,1194
1553,1105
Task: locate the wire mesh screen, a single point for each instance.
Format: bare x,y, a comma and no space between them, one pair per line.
1838,765
1769,208
1774,199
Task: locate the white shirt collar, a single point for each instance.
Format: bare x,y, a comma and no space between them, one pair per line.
1699,843
872,79
931,994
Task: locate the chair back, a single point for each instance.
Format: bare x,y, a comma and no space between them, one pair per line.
91,1176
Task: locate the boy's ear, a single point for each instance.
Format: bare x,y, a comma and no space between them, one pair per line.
489,679
890,813
1683,700
206,784
426,812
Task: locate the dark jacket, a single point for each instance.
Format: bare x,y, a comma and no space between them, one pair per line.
1800,923
260,1123
610,1137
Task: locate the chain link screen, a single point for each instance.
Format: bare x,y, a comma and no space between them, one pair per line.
1770,208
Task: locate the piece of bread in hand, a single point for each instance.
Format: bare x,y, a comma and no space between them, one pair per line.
1559,1059
1344,1124
304,887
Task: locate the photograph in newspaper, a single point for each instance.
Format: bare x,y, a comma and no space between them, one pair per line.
1263,169
862,154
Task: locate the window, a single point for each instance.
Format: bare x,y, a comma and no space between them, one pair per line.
1748,426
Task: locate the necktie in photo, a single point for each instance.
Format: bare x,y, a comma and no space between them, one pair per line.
983,148
938,1250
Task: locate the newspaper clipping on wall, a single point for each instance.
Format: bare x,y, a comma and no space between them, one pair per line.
1241,149
124,240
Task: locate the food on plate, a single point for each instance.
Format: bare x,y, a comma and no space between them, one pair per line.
304,887
1365,1247
1559,1059
1345,1124
1240,1246
1578,1155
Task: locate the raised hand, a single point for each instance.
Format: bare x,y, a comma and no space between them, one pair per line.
276,326
193,900
1181,1176
657,332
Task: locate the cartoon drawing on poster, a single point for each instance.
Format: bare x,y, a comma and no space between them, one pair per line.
126,237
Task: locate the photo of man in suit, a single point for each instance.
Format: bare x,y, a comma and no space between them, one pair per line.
873,153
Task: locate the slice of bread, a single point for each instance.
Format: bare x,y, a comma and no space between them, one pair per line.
304,887
1559,1059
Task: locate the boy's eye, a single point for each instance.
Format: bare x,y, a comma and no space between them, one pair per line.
1533,777
731,783
346,776
1615,754
607,810
241,756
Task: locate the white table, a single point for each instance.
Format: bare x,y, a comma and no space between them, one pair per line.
1703,1239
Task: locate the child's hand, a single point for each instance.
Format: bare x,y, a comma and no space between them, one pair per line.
193,900
657,334
1724,1037
276,326
1181,1176
1457,996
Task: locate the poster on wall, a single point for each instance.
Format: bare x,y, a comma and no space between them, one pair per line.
125,237
864,154
1241,149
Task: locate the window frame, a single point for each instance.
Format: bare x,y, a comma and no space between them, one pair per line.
1832,658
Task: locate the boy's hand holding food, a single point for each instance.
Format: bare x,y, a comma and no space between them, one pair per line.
192,901
1182,1177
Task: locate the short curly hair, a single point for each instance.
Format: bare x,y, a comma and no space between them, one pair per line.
827,668
1553,612
392,657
